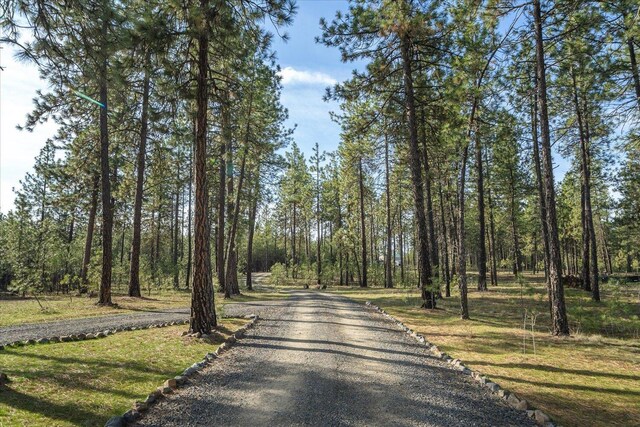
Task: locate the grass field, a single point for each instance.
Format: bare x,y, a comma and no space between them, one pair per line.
57,307
85,383
44,308
589,379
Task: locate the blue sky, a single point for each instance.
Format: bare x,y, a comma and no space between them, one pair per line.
307,69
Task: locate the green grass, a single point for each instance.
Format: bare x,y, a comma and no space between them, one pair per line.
589,379
85,383
16,311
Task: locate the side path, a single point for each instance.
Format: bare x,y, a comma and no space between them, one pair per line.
321,359
89,325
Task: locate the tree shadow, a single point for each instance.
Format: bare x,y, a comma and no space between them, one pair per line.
555,369
614,391
342,344
75,413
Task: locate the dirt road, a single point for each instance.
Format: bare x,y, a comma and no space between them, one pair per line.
320,359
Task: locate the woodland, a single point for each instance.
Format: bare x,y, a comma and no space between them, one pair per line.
450,136
489,158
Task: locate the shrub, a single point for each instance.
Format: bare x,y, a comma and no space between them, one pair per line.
278,274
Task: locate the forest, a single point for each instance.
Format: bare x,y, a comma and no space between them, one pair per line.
452,134
487,177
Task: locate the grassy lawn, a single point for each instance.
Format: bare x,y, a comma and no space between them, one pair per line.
85,383
590,379
58,307
16,311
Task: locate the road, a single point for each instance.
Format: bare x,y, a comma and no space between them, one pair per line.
90,325
321,359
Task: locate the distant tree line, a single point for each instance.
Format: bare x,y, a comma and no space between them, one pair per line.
446,158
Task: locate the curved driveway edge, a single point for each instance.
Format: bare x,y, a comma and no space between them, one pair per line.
45,331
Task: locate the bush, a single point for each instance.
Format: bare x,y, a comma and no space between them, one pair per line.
278,274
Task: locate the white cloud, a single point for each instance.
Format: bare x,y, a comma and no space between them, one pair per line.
291,76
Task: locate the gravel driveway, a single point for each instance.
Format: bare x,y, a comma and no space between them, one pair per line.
319,359
89,325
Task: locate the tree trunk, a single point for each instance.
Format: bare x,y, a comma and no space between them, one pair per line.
189,207
230,256
595,286
176,272
222,189
107,203
318,237
252,226
492,228
517,256
401,241
453,230
363,232
86,259
462,255
234,214
294,260
424,266
634,69
540,188
134,267
122,232
482,250
586,280
433,247
559,322
445,238
203,315
388,280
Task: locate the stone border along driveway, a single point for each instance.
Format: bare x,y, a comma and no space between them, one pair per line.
172,384
83,337
511,398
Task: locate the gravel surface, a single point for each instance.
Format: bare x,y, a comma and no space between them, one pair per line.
319,359
89,325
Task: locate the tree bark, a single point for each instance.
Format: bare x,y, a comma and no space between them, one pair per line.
595,285
190,208
517,256
462,254
107,203
433,247
203,315
492,228
88,243
232,265
252,226
134,267
222,189
318,237
445,239
363,232
424,266
176,272
540,188
388,280
482,249
634,69
559,322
